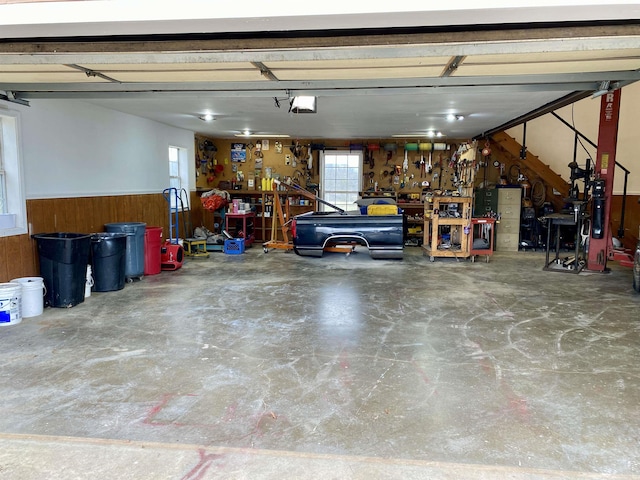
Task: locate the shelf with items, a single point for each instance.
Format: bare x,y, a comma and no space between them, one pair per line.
292,205
414,222
447,227
392,194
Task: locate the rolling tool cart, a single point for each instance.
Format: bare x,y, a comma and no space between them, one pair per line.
482,237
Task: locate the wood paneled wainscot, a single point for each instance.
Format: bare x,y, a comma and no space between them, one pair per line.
19,255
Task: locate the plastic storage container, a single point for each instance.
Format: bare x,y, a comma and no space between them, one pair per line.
10,304
134,253
234,246
108,261
63,266
152,250
32,295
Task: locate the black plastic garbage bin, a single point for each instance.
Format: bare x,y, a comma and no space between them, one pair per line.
134,253
108,262
63,266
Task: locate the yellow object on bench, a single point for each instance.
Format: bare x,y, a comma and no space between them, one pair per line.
382,210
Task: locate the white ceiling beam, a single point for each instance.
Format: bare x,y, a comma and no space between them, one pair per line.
576,80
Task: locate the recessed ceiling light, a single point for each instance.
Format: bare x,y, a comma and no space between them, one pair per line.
207,117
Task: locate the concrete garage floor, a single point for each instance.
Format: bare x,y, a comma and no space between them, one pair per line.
278,366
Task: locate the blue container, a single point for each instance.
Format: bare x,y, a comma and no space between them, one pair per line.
234,246
134,252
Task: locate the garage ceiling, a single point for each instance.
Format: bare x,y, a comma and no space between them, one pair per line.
370,83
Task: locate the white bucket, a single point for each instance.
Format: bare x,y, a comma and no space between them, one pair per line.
10,304
33,291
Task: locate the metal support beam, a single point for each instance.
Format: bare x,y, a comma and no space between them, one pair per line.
601,248
538,112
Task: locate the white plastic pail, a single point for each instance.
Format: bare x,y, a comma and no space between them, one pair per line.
10,303
33,291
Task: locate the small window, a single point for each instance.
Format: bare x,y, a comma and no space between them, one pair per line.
174,168
178,174
13,210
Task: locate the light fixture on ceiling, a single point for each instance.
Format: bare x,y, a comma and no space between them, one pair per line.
262,135
207,117
432,134
429,134
451,117
303,104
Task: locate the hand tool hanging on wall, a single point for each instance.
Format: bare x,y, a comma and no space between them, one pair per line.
523,150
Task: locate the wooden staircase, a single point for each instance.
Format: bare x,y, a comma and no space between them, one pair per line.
533,168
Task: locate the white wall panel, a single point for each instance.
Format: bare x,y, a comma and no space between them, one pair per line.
75,149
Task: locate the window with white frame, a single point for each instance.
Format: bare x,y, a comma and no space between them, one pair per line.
178,174
340,178
13,211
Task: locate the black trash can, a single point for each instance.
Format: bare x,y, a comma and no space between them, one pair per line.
134,253
63,266
108,261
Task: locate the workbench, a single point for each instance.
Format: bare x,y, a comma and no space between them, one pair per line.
454,215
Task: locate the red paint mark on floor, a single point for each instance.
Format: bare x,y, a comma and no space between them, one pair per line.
421,372
206,460
153,411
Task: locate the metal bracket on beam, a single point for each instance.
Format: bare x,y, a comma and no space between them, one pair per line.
265,71
92,73
453,65
10,96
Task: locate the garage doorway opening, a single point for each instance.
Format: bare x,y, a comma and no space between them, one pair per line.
340,179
